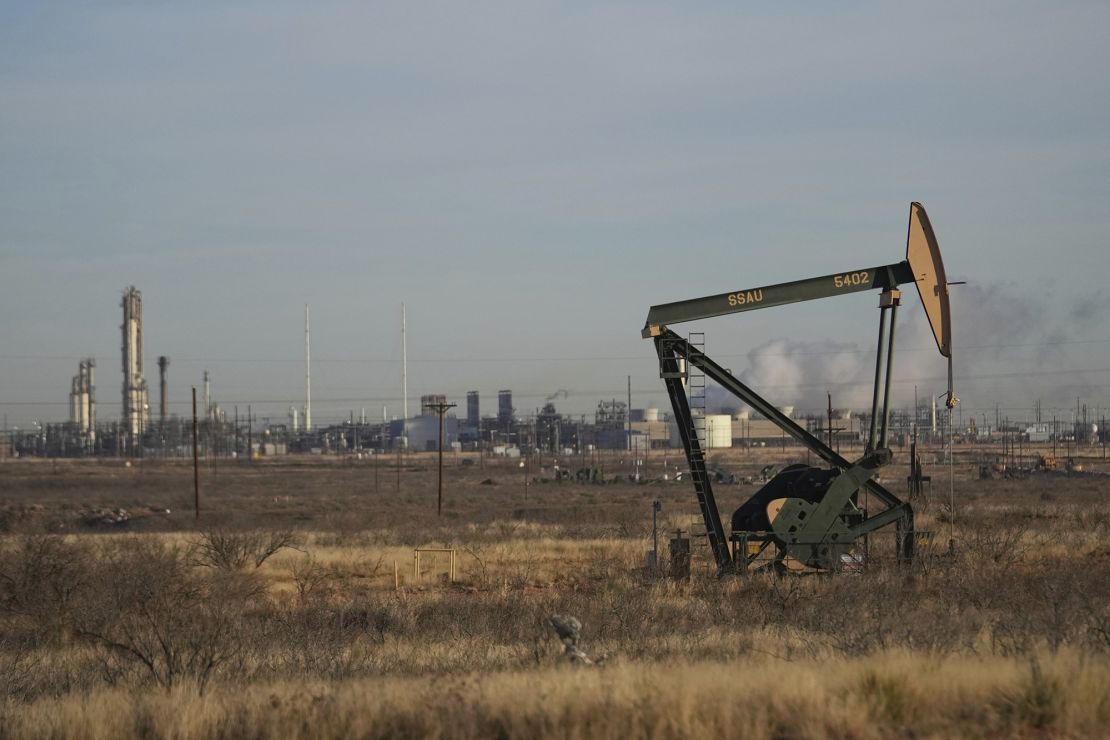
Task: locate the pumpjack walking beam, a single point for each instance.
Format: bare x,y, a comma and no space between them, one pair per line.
769,296
922,266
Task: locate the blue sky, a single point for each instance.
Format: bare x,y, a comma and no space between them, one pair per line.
529,178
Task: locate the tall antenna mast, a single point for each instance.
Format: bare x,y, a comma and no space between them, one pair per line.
404,381
307,375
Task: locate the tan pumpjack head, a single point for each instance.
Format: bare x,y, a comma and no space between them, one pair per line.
923,254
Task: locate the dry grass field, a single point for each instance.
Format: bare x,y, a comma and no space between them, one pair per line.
292,609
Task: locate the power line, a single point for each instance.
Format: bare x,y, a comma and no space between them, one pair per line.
847,350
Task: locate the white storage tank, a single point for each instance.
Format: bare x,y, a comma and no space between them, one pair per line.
651,414
718,431
715,430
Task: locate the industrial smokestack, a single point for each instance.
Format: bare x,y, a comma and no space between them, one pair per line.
307,375
90,408
163,403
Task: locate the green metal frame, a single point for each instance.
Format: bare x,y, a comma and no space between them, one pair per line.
671,347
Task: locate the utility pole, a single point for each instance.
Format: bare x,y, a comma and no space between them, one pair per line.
207,416
829,394
404,381
196,468
628,415
441,409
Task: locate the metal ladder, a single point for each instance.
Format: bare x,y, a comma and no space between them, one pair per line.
684,388
695,389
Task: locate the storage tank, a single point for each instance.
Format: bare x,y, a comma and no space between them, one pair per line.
715,431
718,431
651,414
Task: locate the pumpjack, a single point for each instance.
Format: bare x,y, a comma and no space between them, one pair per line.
810,516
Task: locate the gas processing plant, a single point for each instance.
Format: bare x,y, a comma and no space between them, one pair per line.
737,416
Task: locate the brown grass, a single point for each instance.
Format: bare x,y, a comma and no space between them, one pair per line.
151,631
889,694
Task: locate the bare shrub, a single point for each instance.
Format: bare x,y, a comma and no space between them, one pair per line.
1091,518
311,579
154,610
43,578
329,640
1001,544
235,550
479,572
18,669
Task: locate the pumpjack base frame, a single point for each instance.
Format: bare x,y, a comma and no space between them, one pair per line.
673,348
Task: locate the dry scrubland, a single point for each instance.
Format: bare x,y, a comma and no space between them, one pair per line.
164,627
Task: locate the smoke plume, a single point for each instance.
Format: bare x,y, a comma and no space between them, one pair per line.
1010,347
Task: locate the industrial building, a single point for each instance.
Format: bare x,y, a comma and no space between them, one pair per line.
505,410
473,417
611,430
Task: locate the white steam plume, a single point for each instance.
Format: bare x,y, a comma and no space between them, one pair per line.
1008,348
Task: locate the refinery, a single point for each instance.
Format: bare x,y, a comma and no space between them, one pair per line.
143,431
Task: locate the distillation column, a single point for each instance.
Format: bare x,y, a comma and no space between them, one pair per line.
136,400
